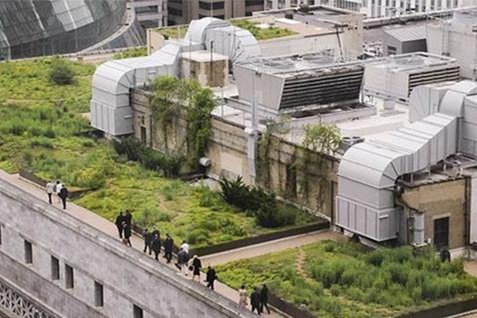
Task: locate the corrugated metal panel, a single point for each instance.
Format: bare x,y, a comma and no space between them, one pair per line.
405,34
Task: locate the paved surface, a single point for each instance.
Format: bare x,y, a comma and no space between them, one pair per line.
270,247
109,228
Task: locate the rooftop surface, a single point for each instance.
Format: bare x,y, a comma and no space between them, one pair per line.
298,64
411,61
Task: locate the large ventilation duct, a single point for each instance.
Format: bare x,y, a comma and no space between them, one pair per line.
368,171
111,109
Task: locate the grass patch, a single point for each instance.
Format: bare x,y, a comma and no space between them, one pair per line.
42,129
261,33
346,280
134,52
174,32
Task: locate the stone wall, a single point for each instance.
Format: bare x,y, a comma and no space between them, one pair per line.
440,200
227,150
128,277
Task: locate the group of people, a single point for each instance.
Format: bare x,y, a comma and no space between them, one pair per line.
153,244
123,223
258,299
58,189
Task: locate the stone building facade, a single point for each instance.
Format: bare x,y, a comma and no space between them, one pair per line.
74,270
228,152
444,207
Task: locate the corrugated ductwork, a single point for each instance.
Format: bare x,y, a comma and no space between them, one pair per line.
111,110
368,171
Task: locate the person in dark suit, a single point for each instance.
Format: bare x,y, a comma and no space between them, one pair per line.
128,218
168,244
127,234
255,301
156,246
63,195
148,239
119,224
211,277
264,298
196,267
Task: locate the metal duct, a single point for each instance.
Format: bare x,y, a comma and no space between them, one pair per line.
368,171
111,110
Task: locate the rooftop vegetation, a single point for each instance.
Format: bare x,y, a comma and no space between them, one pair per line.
342,280
271,32
43,129
134,52
174,32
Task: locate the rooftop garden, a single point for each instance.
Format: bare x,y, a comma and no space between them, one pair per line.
174,32
43,129
259,33
267,33
343,280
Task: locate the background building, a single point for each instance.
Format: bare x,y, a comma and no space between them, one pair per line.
183,11
354,5
151,13
389,8
456,38
39,28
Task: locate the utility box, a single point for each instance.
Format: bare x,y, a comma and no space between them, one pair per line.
209,69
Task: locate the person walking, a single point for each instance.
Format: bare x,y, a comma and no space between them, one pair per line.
211,276
148,239
185,246
128,218
196,267
50,189
255,301
242,297
63,195
58,189
127,234
264,299
120,220
168,244
182,259
156,246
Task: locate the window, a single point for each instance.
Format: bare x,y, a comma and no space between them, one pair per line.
28,252
143,135
391,50
137,312
211,5
98,295
69,277
441,232
55,268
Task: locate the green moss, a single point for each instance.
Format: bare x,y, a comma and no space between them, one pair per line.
347,280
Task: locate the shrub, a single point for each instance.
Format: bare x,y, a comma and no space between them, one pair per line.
61,73
197,236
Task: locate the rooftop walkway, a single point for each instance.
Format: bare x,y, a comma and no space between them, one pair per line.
109,228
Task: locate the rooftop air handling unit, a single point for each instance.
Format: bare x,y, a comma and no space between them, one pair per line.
396,76
443,123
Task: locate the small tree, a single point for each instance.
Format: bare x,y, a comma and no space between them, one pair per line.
61,73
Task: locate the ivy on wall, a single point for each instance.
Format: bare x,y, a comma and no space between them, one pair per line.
172,96
320,140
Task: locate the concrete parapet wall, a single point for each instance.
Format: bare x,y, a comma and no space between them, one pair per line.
128,277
